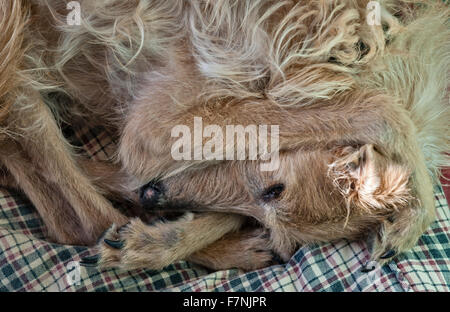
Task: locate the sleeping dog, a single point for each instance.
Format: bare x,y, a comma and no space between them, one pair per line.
360,114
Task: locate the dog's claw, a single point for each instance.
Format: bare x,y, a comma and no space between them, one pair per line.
114,244
90,261
367,268
388,254
277,258
123,228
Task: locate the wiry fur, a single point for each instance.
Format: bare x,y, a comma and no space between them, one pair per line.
363,114
11,53
370,183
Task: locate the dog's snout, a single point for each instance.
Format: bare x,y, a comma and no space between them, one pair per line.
151,192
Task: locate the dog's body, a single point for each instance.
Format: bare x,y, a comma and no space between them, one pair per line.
363,115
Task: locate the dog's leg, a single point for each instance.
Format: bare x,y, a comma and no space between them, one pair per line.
7,180
399,196
402,230
138,245
63,225
247,250
49,155
109,178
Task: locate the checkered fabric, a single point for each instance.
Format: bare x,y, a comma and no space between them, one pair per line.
29,263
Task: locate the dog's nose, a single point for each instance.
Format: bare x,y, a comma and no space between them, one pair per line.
151,192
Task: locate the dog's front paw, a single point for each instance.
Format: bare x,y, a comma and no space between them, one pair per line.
109,250
136,245
256,251
246,250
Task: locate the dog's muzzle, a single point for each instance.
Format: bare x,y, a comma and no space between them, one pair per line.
151,193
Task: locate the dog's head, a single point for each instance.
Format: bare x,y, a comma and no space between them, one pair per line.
327,183
312,196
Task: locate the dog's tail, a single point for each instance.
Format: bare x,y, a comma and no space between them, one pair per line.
418,59
13,18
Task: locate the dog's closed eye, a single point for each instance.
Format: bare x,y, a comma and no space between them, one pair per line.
273,192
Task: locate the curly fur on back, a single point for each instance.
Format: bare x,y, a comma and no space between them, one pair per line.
312,52
11,53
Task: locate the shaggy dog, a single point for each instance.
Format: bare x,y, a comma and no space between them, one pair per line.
362,110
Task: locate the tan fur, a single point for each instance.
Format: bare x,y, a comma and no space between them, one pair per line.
363,114
164,243
12,22
40,160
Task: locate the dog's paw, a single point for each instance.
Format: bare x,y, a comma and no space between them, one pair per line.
136,245
106,257
398,234
257,252
248,250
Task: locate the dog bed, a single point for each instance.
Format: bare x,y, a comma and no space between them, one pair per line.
29,263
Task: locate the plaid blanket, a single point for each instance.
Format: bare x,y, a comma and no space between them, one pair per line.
29,263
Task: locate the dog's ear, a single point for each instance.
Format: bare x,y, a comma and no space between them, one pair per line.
370,180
